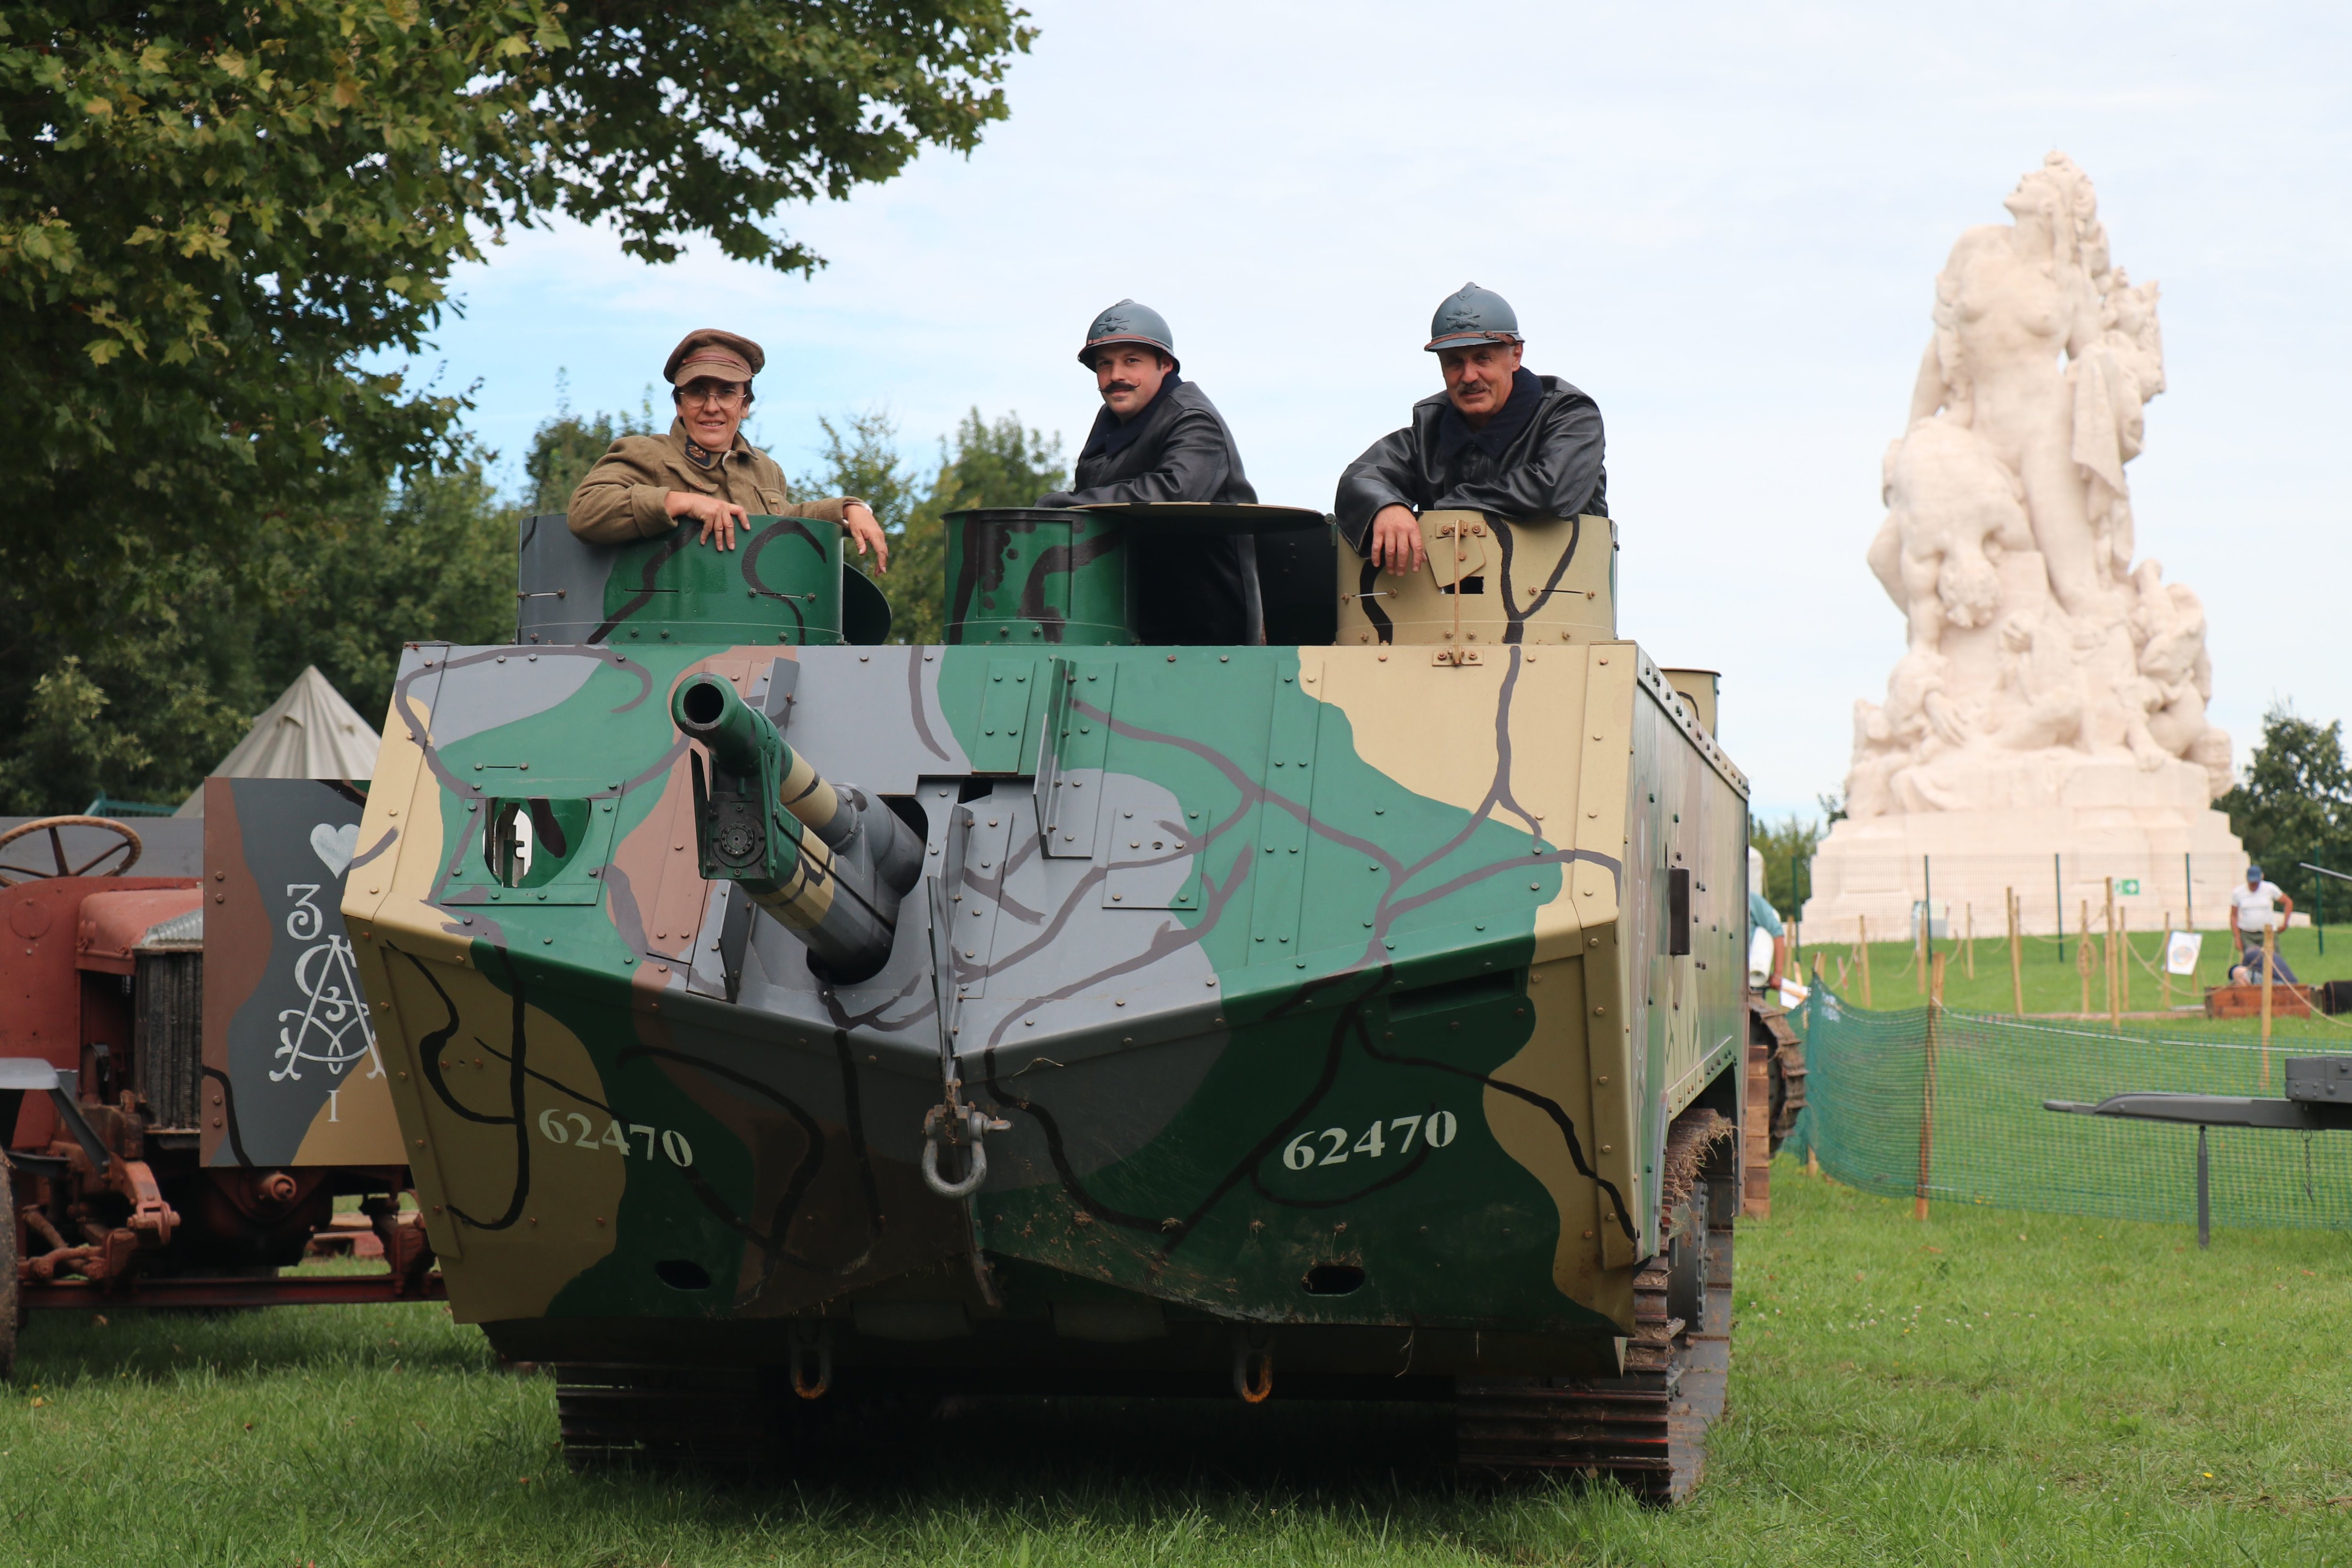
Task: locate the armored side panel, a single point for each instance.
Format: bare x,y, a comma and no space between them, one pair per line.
782,583
1026,577
1488,582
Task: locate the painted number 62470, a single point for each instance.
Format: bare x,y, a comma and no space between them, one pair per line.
572,1128
1332,1144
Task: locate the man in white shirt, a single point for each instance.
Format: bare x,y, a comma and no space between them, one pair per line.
2254,908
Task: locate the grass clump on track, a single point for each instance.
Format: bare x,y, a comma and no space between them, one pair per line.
1989,1388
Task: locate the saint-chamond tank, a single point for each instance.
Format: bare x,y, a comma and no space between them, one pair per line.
784,1023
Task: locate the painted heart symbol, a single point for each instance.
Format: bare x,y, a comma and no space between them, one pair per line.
336,845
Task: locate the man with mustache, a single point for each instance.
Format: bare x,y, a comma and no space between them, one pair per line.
703,470
1159,438
1499,438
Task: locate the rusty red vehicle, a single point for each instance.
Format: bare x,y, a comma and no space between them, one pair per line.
188,1073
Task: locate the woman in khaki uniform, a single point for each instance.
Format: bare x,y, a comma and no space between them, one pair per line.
703,469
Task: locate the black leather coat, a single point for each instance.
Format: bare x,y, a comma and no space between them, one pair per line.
1201,589
1541,455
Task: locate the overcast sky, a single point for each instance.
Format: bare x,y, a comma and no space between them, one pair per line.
1723,222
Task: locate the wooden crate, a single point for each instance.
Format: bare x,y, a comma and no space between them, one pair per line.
2246,1001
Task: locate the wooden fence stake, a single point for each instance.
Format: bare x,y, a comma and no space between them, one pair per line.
2131,959
1862,946
1969,914
2083,963
1928,1093
2016,954
2115,1006
2164,961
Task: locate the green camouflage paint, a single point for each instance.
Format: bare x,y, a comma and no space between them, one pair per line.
1027,576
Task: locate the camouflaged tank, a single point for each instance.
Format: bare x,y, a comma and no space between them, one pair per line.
782,1023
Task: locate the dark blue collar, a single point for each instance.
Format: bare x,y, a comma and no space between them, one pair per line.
1454,432
1112,434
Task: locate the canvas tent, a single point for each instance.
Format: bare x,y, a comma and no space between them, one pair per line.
309,732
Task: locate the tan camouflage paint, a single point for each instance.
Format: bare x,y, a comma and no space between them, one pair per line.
400,850
364,1129
1433,727
1557,1063
566,1225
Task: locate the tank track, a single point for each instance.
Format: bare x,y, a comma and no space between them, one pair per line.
1768,1028
614,1415
730,1421
1647,1428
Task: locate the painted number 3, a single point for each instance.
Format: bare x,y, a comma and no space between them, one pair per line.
558,1127
1332,1147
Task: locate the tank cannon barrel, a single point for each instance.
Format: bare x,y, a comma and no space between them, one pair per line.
708,710
831,863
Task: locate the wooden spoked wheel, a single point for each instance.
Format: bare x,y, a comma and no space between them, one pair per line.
13,871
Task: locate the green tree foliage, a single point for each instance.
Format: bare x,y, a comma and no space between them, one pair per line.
999,462
209,212
216,218
433,560
2295,802
137,708
861,459
141,707
562,450
1787,845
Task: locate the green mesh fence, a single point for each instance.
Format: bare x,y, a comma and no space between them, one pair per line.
1990,1141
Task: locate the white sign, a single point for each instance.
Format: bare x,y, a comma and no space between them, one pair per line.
2181,957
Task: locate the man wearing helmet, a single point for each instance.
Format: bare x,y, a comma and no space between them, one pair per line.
1159,438
1499,438
703,470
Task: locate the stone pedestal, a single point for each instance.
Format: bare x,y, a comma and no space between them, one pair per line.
2053,839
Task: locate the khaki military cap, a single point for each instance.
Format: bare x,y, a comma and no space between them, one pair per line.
726,356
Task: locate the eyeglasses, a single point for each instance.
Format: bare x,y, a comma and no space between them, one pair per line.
725,394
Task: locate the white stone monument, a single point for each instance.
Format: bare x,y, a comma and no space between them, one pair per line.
2045,727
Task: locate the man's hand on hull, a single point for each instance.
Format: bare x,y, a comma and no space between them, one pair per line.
865,533
716,517
1396,540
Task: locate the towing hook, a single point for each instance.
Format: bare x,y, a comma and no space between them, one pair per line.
1253,1365
942,1127
811,1344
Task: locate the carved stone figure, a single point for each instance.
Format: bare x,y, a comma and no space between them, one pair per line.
2043,670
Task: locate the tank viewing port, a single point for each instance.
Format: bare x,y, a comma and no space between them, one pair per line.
682,1274
528,842
1333,1280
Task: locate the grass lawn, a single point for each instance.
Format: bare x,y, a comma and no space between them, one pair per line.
1987,1389
2052,987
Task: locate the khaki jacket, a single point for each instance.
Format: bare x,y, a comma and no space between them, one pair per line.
625,496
